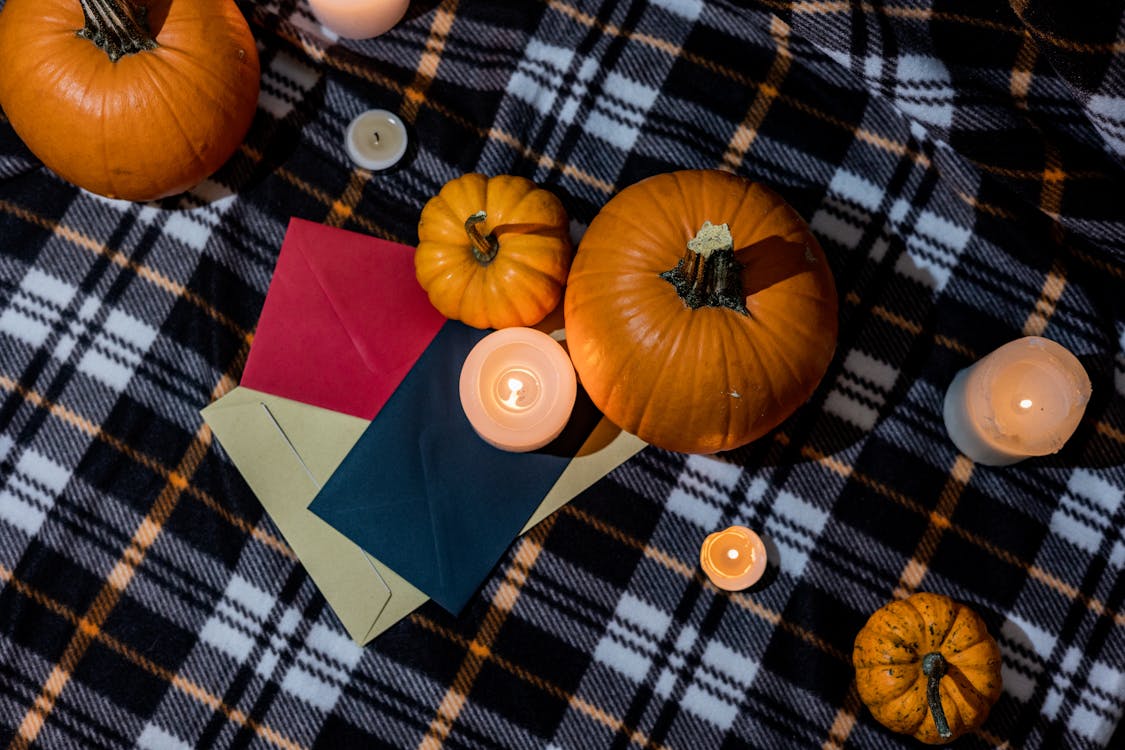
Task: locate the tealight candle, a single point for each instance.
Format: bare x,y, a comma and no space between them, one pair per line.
376,139
359,19
518,388
734,558
1024,399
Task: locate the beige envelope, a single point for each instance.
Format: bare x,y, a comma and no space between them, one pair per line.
286,450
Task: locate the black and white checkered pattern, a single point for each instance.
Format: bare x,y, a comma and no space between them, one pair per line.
962,164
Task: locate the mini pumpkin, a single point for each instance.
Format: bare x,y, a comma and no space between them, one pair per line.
926,666
493,252
700,310
128,100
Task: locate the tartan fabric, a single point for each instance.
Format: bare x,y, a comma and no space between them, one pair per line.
962,163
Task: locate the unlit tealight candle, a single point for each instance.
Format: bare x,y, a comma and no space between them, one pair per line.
518,389
1024,399
376,139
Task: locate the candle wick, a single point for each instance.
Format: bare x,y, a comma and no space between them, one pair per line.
376,134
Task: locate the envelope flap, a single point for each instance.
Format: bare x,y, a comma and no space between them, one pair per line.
284,483
372,288
322,338
305,426
479,498
376,498
470,500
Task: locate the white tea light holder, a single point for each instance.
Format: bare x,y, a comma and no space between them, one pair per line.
376,139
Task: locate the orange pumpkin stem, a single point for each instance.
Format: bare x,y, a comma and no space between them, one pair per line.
117,27
484,246
934,666
709,275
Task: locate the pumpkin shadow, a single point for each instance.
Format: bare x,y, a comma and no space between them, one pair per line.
583,419
771,261
843,411
155,14
1016,649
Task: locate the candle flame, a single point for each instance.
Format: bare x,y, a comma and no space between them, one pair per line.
1025,403
515,388
732,554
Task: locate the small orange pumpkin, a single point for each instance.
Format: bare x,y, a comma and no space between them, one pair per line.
493,252
926,666
128,100
700,310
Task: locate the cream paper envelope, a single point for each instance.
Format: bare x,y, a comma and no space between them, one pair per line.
286,450
607,448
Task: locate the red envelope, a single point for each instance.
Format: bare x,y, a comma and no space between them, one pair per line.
343,322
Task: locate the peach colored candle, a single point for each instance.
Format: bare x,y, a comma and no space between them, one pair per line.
359,19
734,558
518,389
1024,399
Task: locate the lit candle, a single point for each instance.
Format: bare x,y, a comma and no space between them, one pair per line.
1024,399
359,19
518,388
734,558
376,139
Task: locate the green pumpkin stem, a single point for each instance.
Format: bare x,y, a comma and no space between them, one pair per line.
709,275
934,666
485,246
117,27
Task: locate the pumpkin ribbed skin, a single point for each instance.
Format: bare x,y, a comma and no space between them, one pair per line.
888,658
710,378
153,123
523,281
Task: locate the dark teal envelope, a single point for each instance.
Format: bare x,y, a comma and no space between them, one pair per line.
425,495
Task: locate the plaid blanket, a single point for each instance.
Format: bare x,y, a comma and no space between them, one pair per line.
963,163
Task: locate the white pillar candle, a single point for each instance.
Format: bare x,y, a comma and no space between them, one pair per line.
359,19
376,139
518,388
1024,399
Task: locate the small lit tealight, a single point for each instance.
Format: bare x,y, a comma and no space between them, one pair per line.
734,558
376,139
518,389
1024,399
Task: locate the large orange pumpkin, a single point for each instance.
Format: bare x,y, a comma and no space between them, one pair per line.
142,102
700,310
